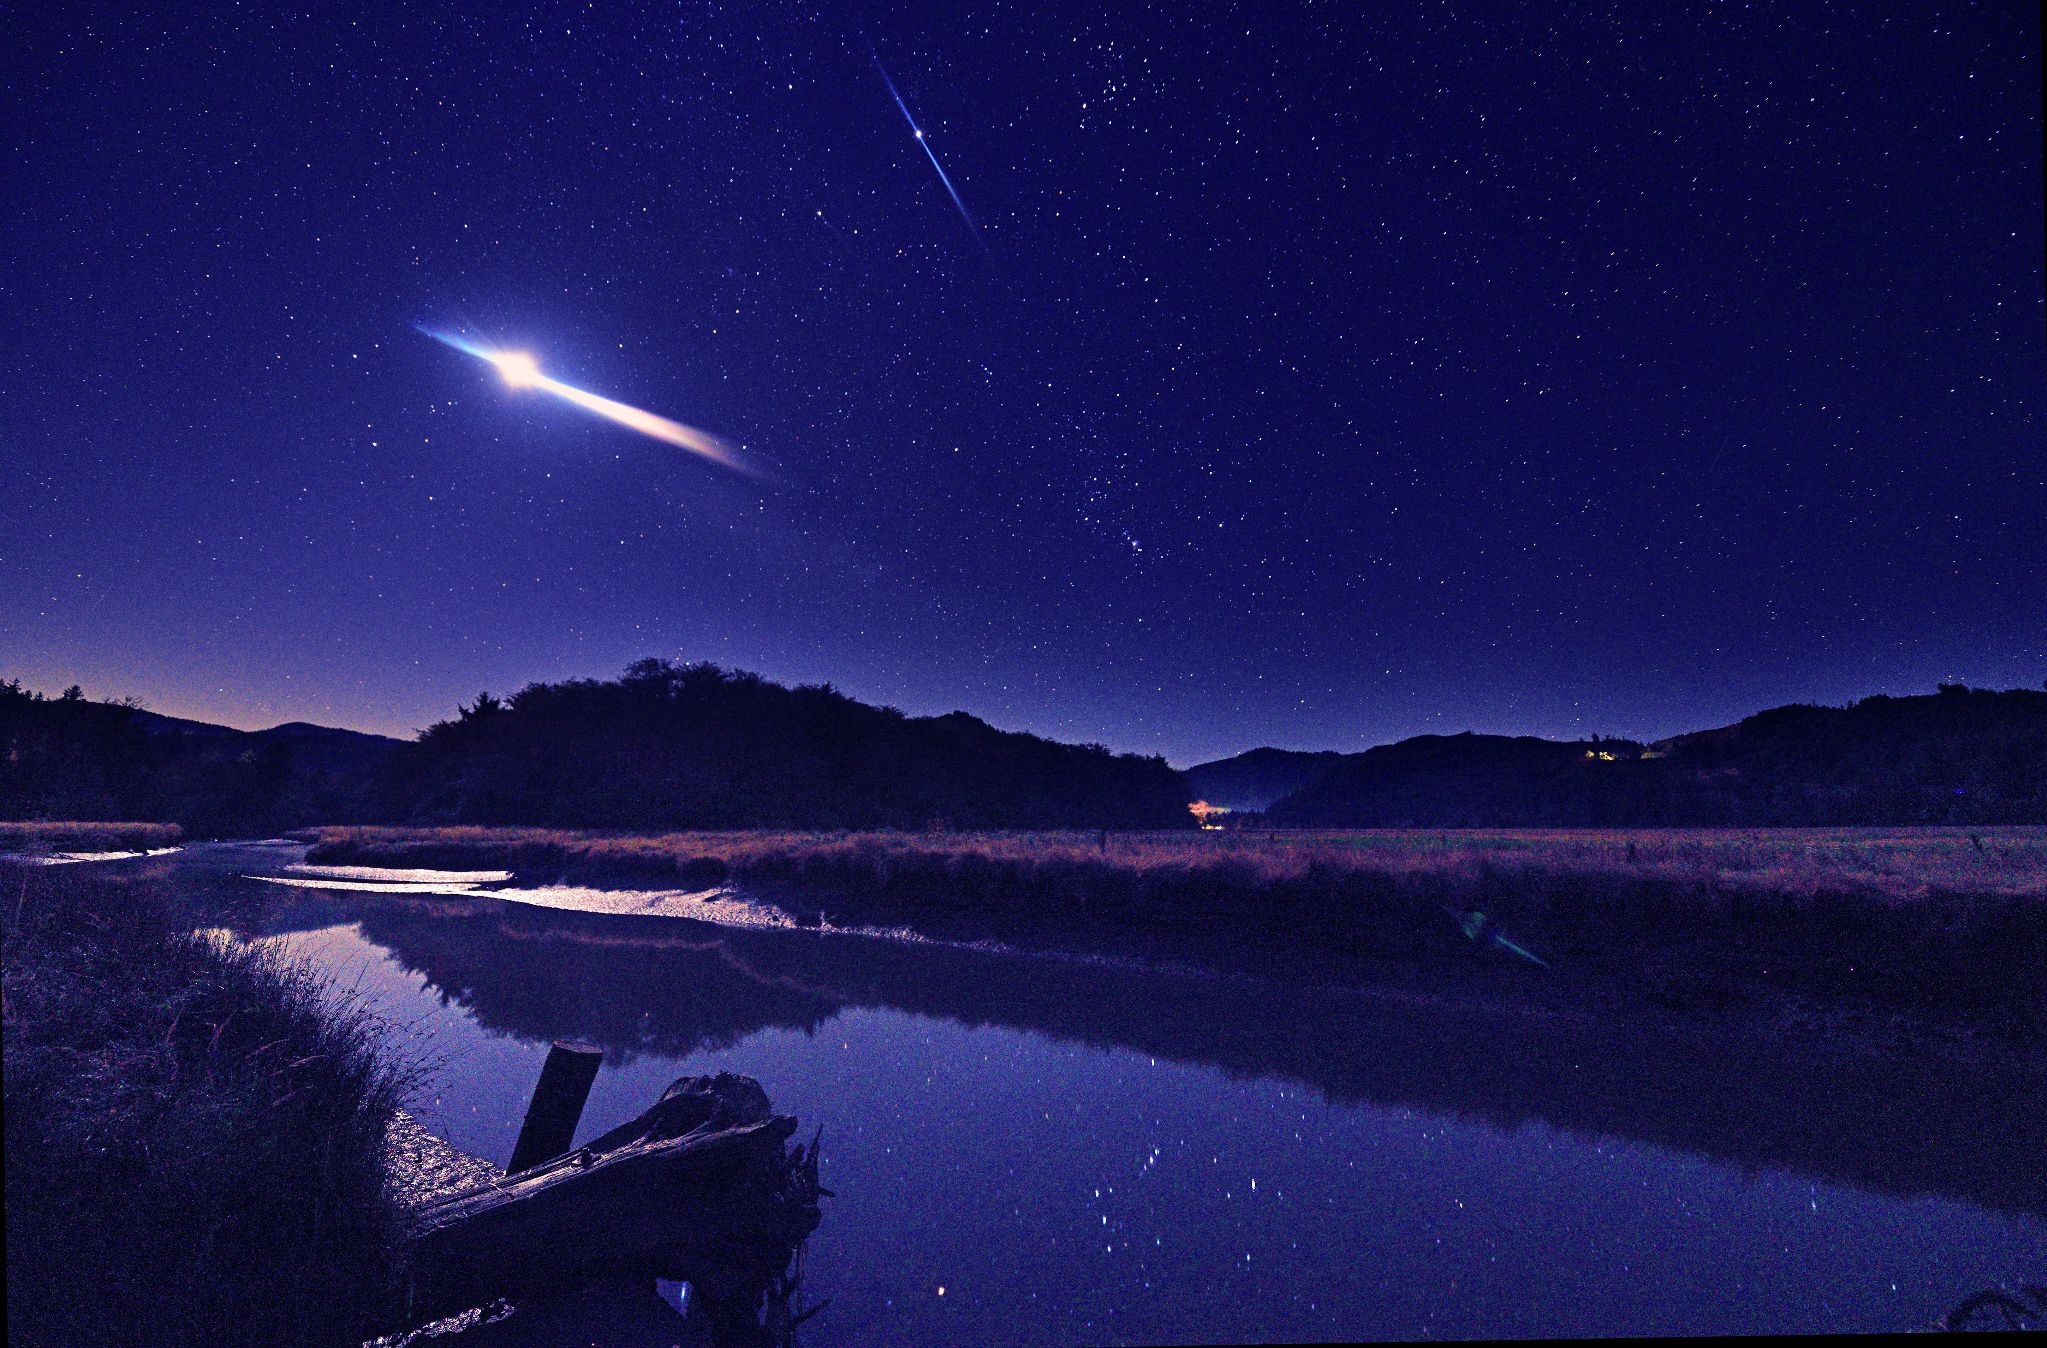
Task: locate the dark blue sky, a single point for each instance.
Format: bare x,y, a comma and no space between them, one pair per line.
1319,375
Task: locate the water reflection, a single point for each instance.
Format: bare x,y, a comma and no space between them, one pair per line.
1015,1129
638,985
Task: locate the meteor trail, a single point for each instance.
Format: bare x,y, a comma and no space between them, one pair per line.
520,370
918,131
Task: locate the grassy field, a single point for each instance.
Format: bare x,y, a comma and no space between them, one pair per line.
195,1132
1946,925
1922,865
1904,882
41,836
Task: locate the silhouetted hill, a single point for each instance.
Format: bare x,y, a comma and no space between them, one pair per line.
322,748
1454,781
156,723
1958,756
69,757
1254,780
327,748
668,747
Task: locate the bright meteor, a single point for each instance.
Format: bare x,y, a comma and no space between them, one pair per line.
521,371
929,153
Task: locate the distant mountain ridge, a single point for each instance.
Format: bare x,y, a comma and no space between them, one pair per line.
1956,756
298,732
69,757
733,750
1257,778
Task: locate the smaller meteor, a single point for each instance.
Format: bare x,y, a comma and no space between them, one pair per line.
918,132
521,371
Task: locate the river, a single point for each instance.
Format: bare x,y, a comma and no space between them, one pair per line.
1029,1149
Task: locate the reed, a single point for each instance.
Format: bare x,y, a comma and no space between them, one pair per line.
43,836
195,1130
1937,927
1923,880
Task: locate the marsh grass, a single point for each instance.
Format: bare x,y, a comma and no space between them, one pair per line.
1915,865
41,836
195,1130
1901,883
1947,923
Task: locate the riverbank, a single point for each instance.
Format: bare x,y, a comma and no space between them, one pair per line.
1946,928
196,1132
38,837
982,1096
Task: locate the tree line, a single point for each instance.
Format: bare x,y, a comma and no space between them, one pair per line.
70,757
669,746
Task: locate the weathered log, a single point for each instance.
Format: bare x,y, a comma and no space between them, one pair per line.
701,1188
557,1104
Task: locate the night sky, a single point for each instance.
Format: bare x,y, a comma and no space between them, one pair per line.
1311,375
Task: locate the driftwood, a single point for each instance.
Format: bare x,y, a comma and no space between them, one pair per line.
703,1188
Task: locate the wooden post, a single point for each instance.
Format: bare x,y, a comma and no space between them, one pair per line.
557,1105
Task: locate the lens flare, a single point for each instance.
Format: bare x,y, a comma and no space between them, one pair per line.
520,370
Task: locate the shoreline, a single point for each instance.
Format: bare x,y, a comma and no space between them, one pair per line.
1848,1102
1802,949
1434,1022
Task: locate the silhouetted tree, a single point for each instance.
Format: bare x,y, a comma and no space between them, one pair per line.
73,758
695,746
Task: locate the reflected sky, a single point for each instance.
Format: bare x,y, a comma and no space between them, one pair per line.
1064,1185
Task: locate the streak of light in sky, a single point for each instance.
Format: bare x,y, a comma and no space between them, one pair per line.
520,370
918,132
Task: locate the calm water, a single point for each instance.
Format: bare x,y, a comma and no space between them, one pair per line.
1040,1151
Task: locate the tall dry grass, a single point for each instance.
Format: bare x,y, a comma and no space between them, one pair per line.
42,835
1929,880
195,1131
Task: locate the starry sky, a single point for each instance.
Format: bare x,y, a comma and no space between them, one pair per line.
1309,374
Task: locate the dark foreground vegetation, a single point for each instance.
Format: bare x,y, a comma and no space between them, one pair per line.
1958,756
1949,923
195,1133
